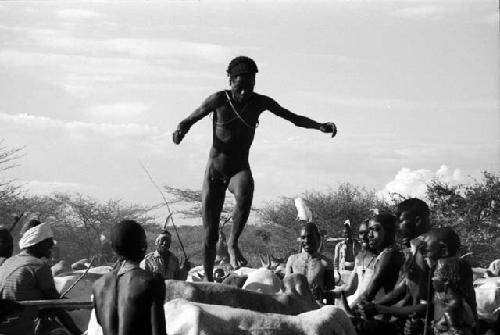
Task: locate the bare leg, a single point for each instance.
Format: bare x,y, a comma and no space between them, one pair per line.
242,187
213,193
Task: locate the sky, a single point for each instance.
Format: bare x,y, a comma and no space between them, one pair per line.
90,88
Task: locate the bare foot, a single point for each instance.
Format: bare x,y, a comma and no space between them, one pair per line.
236,259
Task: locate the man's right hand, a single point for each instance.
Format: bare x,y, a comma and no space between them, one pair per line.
413,326
177,136
367,310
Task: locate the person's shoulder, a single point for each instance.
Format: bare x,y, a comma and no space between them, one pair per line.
145,279
324,257
103,282
293,257
265,100
28,261
216,99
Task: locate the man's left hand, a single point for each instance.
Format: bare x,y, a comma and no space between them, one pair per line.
329,127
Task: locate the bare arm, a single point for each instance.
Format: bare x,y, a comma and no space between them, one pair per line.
336,256
288,268
298,120
403,310
386,272
349,287
206,108
394,296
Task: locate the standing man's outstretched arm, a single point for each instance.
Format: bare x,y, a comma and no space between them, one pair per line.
206,108
299,120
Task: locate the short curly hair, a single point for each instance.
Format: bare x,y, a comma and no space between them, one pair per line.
240,65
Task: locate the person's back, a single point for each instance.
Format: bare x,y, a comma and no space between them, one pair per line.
129,300
124,300
23,277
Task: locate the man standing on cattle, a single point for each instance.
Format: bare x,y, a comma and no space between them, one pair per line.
235,117
163,261
317,268
27,276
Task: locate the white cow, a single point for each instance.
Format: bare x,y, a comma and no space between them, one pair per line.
81,291
264,281
188,318
488,297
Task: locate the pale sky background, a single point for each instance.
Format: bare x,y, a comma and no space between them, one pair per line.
92,87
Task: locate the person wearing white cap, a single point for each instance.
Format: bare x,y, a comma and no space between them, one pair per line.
27,276
235,113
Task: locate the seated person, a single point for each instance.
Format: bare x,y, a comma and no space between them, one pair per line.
27,277
317,268
163,261
454,296
129,300
364,265
411,290
346,250
381,240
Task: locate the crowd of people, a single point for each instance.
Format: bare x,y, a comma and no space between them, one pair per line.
414,284
406,276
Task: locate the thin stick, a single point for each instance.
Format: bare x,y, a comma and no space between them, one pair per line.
168,208
16,221
79,278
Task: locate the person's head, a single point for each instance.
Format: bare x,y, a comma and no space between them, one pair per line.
413,216
241,72
219,275
440,243
37,239
163,241
6,243
309,237
128,240
381,231
363,233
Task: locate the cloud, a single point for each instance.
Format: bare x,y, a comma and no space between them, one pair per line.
164,48
78,14
412,183
48,187
78,127
419,12
83,75
124,111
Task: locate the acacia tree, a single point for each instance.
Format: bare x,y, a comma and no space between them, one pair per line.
9,191
330,209
473,211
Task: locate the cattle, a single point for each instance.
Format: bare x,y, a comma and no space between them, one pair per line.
488,297
264,281
207,319
191,318
295,298
81,291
